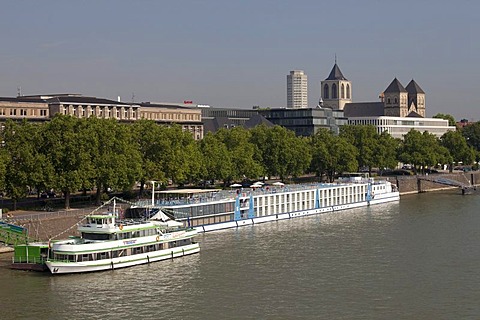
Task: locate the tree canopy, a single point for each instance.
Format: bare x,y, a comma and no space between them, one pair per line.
68,154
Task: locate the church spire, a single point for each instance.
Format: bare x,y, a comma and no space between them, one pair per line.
336,74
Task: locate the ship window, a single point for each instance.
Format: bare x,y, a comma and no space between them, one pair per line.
137,250
102,255
95,236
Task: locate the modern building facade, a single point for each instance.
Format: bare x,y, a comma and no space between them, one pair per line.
397,127
297,90
307,121
218,118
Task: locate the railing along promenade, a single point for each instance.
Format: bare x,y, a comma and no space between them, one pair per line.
44,215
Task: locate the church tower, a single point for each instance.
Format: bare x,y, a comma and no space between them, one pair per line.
416,98
395,100
336,90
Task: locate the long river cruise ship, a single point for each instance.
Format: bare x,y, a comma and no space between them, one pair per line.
209,209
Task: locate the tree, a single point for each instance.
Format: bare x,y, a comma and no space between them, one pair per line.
67,153
281,152
4,160
422,150
385,152
149,139
181,160
242,152
332,155
301,156
472,135
458,148
113,154
217,158
365,139
25,165
450,118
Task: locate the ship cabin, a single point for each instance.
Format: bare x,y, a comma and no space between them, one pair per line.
99,227
106,227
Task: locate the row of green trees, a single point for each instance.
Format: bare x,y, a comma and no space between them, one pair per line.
69,154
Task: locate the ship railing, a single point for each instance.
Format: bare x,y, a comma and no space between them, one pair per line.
243,192
46,215
128,222
25,259
231,194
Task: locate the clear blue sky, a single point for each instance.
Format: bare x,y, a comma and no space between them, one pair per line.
238,53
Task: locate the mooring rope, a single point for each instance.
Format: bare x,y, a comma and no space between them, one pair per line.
89,214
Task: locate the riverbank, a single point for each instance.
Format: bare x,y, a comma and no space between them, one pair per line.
43,226
421,183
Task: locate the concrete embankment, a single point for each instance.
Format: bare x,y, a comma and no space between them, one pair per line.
418,183
44,226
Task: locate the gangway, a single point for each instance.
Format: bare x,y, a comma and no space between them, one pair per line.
466,187
12,234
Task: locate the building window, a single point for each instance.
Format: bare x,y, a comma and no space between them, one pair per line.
334,91
343,91
23,112
325,91
348,91
13,112
396,100
43,113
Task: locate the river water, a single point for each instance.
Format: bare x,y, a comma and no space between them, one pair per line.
415,259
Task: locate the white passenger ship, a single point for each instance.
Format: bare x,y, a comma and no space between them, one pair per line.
208,210
106,243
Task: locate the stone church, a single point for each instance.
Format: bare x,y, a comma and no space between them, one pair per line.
395,101
399,110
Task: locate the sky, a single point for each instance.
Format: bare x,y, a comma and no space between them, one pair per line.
237,54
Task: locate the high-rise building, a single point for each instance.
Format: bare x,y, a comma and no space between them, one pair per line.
297,90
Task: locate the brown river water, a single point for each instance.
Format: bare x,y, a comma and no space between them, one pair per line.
415,259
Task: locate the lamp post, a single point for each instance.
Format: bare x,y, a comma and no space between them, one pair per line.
153,193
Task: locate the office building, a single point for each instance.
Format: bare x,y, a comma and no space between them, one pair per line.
297,90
